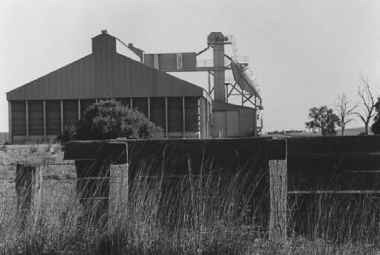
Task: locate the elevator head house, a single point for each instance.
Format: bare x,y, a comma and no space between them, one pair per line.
40,110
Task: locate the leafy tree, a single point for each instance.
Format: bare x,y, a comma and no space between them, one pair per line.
323,119
109,119
345,111
375,128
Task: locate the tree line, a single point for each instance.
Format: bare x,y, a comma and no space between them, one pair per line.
325,120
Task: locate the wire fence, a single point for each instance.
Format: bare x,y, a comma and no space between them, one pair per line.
328,213
195,200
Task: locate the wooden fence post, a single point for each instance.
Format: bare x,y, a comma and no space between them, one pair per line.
24,177
29,191
119,192
278,200
37,194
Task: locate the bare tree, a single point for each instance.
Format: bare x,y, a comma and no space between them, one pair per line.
369,101
345,110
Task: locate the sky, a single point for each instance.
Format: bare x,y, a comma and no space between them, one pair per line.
304,53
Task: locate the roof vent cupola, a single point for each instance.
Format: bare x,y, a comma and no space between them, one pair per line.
104,43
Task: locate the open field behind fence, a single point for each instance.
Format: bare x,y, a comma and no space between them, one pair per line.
331,204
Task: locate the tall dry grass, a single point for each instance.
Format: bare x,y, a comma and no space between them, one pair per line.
220,211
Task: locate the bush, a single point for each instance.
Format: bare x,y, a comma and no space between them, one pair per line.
109,119
375,128
376,125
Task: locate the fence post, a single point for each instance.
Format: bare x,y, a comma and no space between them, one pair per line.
37,193
29,190
24,176
278,200
119,192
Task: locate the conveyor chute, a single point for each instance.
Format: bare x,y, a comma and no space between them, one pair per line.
245,79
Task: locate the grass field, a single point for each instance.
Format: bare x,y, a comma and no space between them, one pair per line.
347,132
187,215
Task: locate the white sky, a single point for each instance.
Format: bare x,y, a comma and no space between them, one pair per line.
303,52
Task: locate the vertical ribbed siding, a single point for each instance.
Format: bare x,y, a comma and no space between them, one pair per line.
124,101
70,112
18,118
175,116
44,117
183,118
10,134
232,123
27,120
157,111
53,117
104,52
77,80
84,104
192,114
36,118
72,81
208,118
141,104
247,122
103,76
203,117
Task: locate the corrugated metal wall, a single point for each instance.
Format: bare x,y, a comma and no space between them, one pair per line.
233,124
205,118
171,61
236,122
84,104
53,117
124,101
247,122
75,80
141,104
70,112
175,116
36,118
157,112
192,114
43,120
219,124
18,118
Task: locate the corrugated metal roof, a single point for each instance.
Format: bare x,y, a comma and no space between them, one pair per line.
75,80
104,74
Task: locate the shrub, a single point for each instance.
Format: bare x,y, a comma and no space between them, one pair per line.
109,119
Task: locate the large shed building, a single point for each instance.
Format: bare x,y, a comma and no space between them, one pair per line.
40,110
